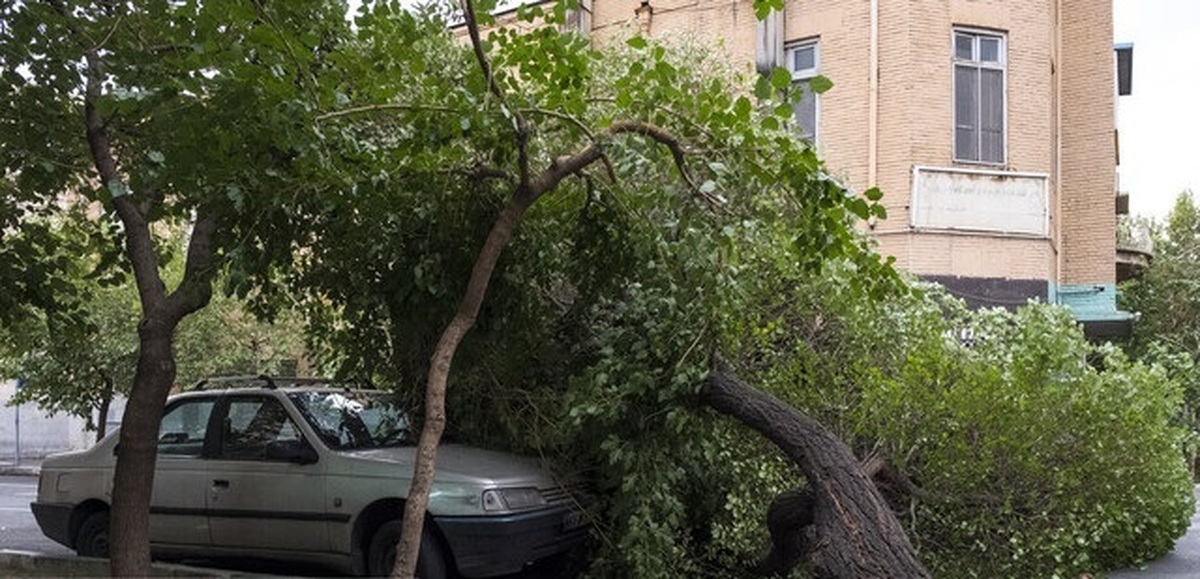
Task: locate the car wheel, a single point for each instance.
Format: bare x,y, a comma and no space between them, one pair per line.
92,539
381,556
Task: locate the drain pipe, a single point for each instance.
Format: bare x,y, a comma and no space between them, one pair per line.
873,101
768,41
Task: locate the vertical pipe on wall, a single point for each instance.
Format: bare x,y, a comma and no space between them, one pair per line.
768,42
873,100
1056,154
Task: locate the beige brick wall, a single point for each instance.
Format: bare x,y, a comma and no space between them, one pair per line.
725,25
915,113
969,254
1088,144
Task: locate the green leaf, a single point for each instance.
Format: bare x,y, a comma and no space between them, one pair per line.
742,108
873,194
637,42
820,84
858,207
781,78
763,89
764,7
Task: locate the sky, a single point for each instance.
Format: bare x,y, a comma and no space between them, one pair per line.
1159,124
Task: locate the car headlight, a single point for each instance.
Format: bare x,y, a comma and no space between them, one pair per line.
512,499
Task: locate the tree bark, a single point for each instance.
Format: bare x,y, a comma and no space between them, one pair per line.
102,411
408,546
133,477
841,521
528,191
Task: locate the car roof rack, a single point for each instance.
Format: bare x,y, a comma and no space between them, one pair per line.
257,381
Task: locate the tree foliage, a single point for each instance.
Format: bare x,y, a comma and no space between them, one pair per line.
1023,449
657,174
1166,296
76,361
666,213
159,110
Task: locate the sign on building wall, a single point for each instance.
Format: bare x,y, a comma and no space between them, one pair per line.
976,200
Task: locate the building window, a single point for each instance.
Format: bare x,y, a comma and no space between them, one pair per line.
978,97
802,60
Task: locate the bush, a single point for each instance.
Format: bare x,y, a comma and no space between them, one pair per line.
1038,454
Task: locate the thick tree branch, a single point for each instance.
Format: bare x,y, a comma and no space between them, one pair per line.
415,506
853,531
608,166
137,231
383,107
563,167
195,290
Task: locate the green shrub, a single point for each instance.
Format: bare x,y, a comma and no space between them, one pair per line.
1038,454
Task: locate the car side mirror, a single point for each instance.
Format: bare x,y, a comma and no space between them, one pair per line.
294,451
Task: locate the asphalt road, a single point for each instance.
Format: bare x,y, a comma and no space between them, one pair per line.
18,530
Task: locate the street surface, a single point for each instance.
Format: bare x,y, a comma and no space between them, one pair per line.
18,530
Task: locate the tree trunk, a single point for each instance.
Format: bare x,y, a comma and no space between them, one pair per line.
133,479
841,521
102,411
408,546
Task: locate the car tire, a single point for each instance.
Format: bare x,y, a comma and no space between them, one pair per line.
92,538
381,556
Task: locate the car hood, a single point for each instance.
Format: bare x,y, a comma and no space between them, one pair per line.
461,463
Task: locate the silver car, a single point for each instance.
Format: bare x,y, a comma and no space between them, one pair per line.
297,472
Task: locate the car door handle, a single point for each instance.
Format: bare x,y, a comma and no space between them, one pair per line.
220,484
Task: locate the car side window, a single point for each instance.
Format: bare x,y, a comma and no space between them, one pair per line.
182,429
252,423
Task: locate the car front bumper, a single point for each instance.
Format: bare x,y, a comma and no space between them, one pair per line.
54,519
488,546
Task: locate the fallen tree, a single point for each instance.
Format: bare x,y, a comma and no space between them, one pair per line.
840,521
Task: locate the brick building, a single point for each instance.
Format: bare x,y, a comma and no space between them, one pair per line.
988,124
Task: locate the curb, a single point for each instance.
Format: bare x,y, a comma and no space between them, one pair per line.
25,564
19,470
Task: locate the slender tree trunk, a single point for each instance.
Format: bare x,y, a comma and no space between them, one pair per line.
408,546
102,411
133,480
845,525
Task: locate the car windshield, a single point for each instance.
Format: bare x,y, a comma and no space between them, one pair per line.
352,420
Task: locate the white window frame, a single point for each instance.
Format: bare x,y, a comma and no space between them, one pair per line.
975,62
801,77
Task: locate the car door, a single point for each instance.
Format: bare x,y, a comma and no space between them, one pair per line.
256,502
178,502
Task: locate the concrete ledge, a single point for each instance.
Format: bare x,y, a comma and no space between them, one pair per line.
20,470
24,564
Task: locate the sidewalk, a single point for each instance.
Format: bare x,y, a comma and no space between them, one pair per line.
27,467
21,564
